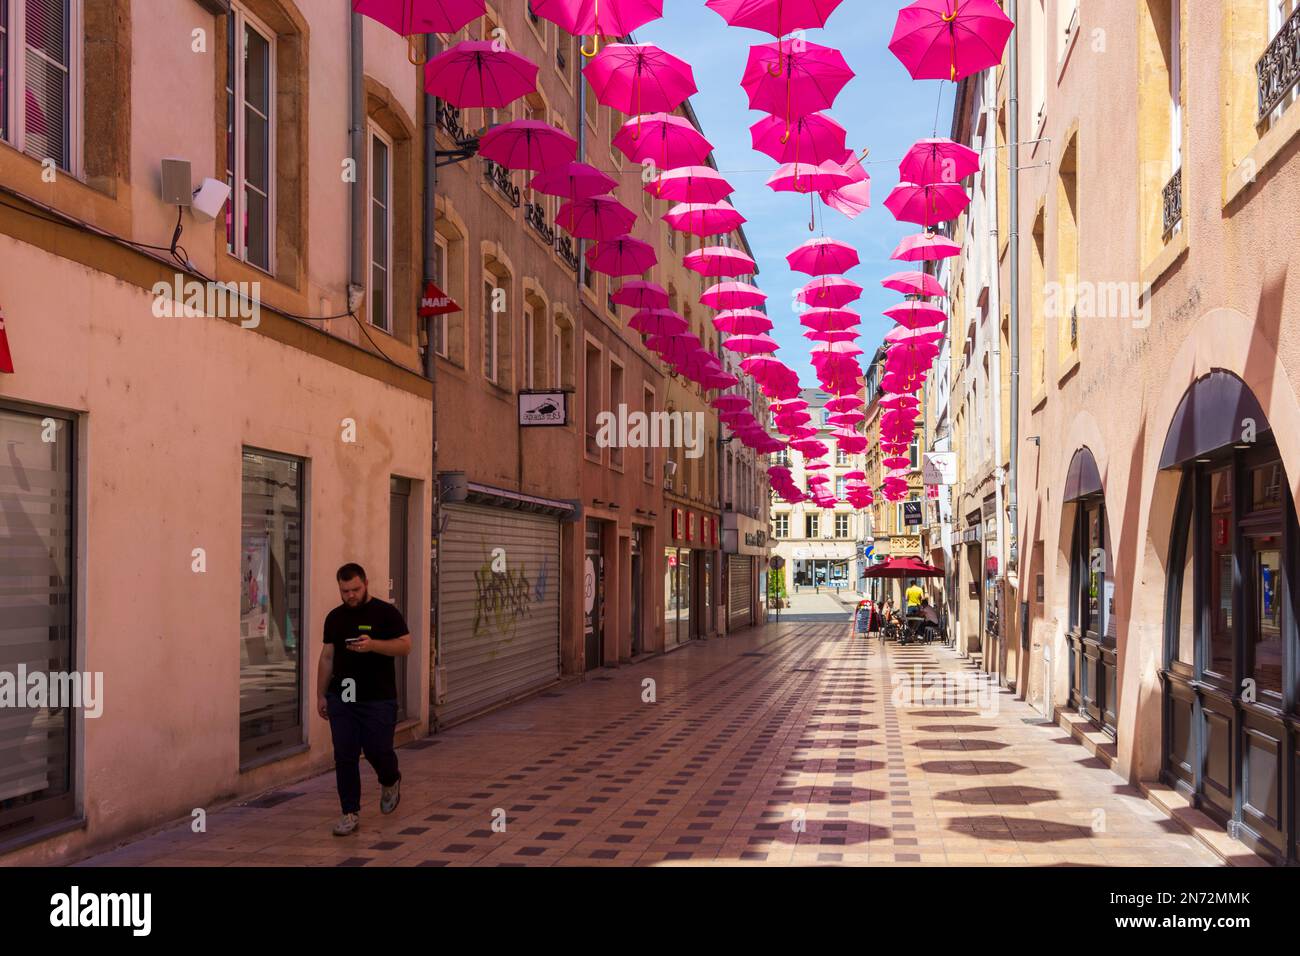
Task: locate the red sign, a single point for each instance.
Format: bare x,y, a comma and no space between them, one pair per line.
436,302
690,526
677,523
6,359
1220,532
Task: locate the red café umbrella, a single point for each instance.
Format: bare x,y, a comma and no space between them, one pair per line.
479,73
663,138
412,18
819,257
622,257
719,261
950,39
829,291
925,247
527,144
927,205
600,217
573,180
732,295
938,160
638,78
913,283
903,568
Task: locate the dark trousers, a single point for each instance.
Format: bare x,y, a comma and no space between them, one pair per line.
357,728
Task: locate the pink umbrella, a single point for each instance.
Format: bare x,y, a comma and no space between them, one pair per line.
732,295
855,198
658,322
527,144
844,335
704,219
477,73
926,337
751,344
721,380
829,291
793,83
832,349
927,205
742,322
611,18
938,161
829,320
813,138
819,257
730,403
777,17
639,78
926,247
806,178
693,184
641,295
411,18
847,419
573,181
845,403
663,138
916,315
717,261
950,39
600,217
622,257
913,283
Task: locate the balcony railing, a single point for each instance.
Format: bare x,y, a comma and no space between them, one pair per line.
535,214
1173,204
449,119
499,177
1278,70
568,254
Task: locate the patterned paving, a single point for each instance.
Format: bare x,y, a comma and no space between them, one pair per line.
796,743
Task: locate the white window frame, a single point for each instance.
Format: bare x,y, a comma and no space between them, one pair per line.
616,454
1176,85
781,525
386,325
846,519
15,45
530,347
238,21
491,363
557,356
442,259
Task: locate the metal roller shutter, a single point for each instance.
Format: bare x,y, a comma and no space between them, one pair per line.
500,631
740,583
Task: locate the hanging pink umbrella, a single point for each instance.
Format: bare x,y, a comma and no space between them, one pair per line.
919,336
742,322
573,181
855,198
813,138
665,139
659,322
731,403
916,315
938,160
692,184
842,335
795,82
611,18
477,73
913,283
412,18
732,295
819,257
638,78
835,349
847,419
716,261
622,257
751,344
845,403
704,219
720,380
641,295
777,17
829,320
806,178
927,205
830,292
600,217
527,144
950,39
926,247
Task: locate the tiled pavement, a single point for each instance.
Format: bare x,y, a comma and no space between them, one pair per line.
787,744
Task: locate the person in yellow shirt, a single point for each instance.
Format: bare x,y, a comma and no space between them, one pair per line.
914,596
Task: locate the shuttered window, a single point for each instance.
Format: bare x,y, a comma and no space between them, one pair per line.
36,613
38,77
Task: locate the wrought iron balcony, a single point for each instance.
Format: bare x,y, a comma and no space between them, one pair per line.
499,177
1278,70
569,255
1173,204
536,217
449,119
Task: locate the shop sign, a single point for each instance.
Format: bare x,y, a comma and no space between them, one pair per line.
543,409
436,302
6,359
911,513
939,467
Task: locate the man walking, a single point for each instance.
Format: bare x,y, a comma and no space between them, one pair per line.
356,687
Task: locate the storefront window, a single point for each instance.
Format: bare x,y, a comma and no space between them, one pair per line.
1219,658
1266,639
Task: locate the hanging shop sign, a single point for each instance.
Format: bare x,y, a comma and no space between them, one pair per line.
436,302
6,358
939,467
911,513
543,409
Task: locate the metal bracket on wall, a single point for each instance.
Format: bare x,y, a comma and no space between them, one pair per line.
465,149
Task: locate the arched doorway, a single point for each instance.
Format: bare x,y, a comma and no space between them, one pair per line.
1231,651
1092,628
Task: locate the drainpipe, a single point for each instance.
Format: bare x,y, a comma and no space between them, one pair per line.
1014,331
995,310
357,145
431,369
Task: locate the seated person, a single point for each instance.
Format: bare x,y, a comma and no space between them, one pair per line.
931,618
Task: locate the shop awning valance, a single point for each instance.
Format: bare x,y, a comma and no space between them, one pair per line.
1083,478
1215,413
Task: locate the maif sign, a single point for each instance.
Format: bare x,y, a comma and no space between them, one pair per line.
939,468
436,302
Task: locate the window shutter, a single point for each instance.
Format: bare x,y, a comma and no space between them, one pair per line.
46,94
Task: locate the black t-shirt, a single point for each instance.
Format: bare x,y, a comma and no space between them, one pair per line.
374,673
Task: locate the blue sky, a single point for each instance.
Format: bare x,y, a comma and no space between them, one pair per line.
882,107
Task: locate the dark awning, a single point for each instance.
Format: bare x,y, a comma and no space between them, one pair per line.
1083,478
1211,416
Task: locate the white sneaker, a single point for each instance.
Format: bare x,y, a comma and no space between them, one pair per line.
347,824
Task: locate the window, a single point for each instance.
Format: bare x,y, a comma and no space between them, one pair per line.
270,614
812,525
592,399
615,400
497,325
250,139
491,330
1280,14
647,450
36,612
782,524
40,78
440,322
530,347
840,488
841,457
842,526
536,338
562,357
381,231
